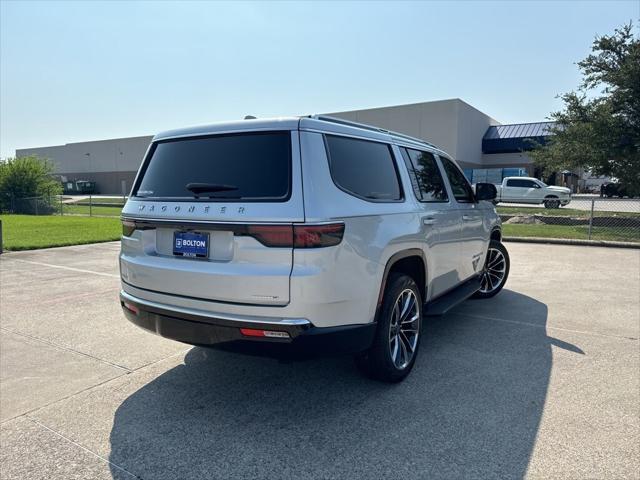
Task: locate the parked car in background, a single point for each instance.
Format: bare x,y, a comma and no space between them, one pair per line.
617,189
304,235
79,187
532,190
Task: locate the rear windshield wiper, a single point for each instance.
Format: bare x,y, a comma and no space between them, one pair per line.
199,188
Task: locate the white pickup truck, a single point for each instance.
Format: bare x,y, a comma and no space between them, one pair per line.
532,190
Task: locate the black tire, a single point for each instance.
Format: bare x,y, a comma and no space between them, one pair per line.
551,202
495,245
378,362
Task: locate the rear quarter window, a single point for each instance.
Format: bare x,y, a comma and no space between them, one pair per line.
250,167
363,168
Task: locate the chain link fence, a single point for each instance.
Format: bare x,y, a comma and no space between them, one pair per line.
585,218
64,205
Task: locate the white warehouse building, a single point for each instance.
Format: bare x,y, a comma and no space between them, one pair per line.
486,149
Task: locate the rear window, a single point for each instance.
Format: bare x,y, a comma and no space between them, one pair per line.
246,167
364,169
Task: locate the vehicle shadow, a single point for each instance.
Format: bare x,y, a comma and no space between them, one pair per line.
471,408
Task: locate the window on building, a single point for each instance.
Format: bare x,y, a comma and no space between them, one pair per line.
462,191
363,168
425,175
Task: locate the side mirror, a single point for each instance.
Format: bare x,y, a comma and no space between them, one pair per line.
486,191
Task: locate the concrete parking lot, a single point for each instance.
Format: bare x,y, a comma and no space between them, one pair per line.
541,381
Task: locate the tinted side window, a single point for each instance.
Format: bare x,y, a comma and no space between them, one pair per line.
520,183
425,175
459,184
364,169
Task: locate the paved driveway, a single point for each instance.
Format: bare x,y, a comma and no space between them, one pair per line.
540,381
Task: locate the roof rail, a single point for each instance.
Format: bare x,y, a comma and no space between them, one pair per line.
364,126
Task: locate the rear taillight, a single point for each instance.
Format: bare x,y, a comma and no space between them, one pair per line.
297,236
128,228
272,235
314,236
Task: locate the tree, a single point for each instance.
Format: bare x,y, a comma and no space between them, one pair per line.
26,177
600,130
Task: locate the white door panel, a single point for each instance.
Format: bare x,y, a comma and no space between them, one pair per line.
443,226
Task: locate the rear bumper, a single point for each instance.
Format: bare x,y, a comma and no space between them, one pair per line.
304,340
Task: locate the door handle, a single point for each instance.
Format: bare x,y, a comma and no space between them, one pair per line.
428,221
467,218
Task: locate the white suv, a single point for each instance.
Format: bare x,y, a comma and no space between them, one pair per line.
299,236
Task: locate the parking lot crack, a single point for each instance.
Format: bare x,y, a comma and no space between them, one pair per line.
91,387
72,269
62,347
91,452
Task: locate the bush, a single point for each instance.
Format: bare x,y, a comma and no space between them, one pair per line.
24,178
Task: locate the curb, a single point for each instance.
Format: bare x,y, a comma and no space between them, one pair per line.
567,241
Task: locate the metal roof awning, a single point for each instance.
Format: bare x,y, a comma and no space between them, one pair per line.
519,137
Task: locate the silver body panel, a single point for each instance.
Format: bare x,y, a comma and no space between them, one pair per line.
331,286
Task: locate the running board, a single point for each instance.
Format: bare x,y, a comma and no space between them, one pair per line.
446,302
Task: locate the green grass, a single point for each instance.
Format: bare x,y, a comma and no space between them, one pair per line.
110,211
580,232
27,232
561,212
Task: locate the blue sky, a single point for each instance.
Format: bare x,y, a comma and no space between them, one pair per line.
83,71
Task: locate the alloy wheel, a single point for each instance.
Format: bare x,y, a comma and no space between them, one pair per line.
404,329
494,271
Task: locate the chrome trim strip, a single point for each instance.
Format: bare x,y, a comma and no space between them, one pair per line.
222,316
183,221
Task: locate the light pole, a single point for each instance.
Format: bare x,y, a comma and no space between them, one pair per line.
88,155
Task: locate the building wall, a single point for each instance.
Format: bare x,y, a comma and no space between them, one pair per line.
503,160
106,162
453,125
471,127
